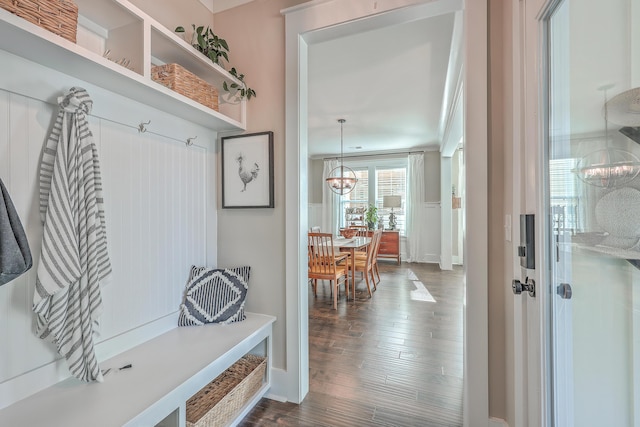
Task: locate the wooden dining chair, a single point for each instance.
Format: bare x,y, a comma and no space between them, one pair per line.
323,264
362,255
362,230
365,266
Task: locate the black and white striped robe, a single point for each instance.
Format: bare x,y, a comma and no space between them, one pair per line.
74,259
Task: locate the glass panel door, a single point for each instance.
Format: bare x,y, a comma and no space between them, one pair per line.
593,201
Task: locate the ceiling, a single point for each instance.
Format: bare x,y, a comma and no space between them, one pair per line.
387,83
216,6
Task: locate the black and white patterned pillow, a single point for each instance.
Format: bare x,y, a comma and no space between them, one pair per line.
214,295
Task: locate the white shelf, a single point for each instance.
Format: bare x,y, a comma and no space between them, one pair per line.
627,254
107,14
120,22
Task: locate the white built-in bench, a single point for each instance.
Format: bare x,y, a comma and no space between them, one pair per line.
165,372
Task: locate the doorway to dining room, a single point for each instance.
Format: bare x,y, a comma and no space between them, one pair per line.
308,24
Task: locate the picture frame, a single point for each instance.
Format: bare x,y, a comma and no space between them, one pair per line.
247,171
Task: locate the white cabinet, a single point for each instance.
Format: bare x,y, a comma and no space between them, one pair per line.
137,41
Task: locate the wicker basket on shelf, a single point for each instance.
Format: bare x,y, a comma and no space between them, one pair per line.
222,399
58,16
180,80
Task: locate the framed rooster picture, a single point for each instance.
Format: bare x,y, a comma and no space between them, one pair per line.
247,171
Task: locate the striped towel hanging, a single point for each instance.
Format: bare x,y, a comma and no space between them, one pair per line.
74,260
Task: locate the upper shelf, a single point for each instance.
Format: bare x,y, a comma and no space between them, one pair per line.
127,33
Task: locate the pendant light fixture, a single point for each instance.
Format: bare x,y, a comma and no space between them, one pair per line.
342,180
624,110
608,167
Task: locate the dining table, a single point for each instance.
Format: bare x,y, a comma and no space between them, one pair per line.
352,245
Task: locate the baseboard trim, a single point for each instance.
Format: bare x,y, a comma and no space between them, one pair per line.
278,390
424,259
276,397
497,422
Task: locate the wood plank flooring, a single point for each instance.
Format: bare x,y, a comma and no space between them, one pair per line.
389,360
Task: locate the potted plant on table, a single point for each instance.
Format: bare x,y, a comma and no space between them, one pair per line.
371,217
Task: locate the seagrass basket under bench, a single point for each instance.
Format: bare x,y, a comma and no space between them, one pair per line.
223,398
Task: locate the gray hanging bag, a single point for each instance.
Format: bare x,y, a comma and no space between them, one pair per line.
15,256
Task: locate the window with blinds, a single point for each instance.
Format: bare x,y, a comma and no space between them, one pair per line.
564,189
358,198
373,184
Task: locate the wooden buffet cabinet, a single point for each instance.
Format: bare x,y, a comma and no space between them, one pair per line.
390,245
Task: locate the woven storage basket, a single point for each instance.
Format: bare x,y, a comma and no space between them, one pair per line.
220,400
176,78
58,16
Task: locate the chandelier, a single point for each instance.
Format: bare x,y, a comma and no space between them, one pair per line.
341,180
609,167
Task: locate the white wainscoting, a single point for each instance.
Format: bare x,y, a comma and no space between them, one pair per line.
431,234
315,214
160,212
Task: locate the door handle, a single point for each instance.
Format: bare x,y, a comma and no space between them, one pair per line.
564,290
529,285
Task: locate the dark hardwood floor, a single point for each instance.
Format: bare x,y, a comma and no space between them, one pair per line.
389,360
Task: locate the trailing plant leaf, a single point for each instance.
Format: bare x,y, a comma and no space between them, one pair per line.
239,90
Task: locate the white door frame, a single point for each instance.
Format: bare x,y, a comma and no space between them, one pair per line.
476,312
531,315
302,25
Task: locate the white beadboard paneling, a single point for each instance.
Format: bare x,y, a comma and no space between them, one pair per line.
4,176
23,151
157,209
153,233
5,154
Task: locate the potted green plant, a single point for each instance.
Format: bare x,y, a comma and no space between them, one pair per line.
371,217
215,48
208,43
